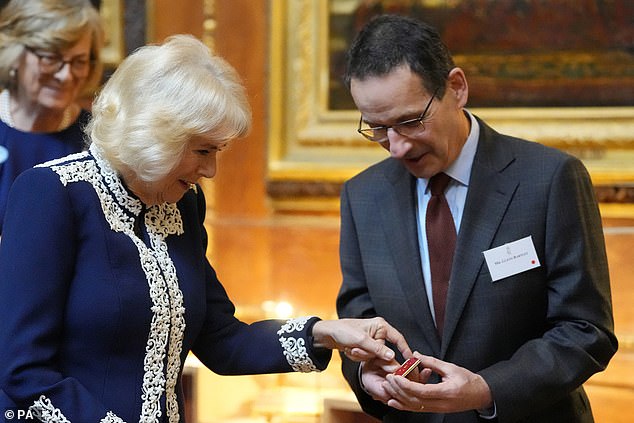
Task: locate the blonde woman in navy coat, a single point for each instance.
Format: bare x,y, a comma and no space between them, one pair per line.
104,284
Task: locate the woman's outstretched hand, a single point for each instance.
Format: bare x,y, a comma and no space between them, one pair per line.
360,339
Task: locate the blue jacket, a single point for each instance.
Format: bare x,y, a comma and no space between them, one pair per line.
102,298
20,151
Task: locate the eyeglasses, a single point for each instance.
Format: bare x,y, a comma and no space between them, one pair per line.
407,128
51,63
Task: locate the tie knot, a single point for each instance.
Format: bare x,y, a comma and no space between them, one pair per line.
438,183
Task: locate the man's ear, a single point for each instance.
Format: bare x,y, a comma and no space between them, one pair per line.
458,87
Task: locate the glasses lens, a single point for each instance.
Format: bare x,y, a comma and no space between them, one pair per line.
374,134
49,64
80,67
411,128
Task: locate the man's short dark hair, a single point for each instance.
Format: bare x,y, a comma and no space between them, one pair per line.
389,41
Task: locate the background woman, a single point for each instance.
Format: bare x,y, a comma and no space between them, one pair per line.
49,57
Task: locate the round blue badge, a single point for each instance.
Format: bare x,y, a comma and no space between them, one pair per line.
4,154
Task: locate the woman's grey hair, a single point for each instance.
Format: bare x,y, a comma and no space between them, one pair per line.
158,99
53,25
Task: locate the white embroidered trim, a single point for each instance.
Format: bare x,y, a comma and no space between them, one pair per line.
111,418
168,322
45,412
71,157
295,348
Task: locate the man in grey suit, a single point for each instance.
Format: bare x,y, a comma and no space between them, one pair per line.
527,312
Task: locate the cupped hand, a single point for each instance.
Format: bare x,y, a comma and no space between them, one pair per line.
373,373
459,389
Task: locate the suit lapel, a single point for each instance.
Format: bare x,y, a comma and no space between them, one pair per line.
490,192
399,216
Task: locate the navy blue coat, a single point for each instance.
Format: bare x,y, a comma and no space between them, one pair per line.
102,299
20,151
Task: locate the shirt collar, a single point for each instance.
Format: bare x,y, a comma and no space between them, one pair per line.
460,169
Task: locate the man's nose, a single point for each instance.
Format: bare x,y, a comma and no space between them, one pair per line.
399,145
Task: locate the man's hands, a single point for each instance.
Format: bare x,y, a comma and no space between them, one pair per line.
364,340
360,339
459,390
374,373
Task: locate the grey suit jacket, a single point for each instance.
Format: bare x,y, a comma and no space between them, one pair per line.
535,337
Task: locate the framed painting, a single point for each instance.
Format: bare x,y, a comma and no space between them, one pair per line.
559,72
516,53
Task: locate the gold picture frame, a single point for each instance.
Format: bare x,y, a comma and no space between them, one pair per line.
312,149
111,12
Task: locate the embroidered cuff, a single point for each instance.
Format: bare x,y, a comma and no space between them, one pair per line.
294,345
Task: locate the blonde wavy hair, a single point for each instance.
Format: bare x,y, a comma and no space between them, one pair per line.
158,99
52,25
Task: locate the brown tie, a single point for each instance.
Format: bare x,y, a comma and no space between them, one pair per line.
441,243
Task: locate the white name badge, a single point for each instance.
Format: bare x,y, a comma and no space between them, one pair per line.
512,258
